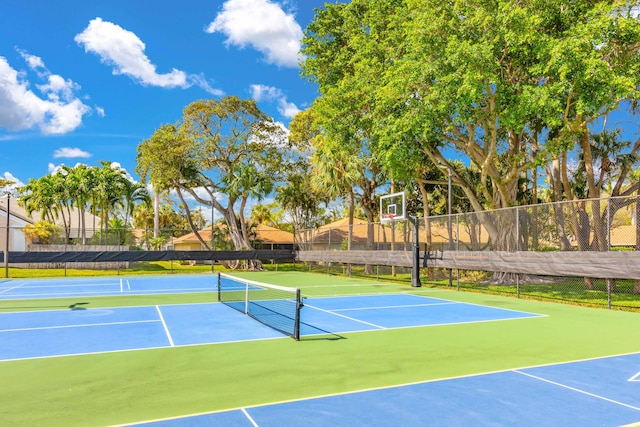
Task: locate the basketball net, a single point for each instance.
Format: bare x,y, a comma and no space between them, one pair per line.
386,217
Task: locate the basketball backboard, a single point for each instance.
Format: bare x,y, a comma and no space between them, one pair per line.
392,207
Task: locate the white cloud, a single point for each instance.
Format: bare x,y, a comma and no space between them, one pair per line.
11,188
58,88
70,153
263,25
20,108
287,109
124,51
201,81
34,62
100,111
263,93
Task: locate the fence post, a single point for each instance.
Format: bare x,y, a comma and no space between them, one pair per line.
517,242
119,249
65,249
457,232
6,243
609,225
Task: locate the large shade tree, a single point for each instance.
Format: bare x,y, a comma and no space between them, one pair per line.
225,146
503,85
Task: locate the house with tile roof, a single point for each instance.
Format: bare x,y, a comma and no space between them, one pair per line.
265,237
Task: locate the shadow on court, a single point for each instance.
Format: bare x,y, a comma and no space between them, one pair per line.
78,306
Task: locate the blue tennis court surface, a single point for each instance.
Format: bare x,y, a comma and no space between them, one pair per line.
600,392
82,330
364,313
104,286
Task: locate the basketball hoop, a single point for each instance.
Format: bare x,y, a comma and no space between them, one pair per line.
386,218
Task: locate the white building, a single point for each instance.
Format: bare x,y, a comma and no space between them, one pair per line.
17,220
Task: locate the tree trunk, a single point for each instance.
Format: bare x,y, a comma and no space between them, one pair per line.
190,220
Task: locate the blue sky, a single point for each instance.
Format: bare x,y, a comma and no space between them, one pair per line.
86,81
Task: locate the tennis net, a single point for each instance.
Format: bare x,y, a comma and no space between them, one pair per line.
275,306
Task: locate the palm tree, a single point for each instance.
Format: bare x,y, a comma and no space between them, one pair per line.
265,214
38,196
131,194
109,187
79,184
336,173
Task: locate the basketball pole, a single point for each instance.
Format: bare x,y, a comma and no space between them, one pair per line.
415,271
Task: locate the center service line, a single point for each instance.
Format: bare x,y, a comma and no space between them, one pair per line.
246,414
15,287
164,325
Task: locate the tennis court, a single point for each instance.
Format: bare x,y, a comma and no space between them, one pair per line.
602,392
103,286
370,353
81,330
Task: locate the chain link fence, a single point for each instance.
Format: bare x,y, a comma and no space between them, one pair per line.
606,230
39,238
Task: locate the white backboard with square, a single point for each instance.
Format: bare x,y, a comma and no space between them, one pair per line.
392,206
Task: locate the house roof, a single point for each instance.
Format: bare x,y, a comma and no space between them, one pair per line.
264,234
267,234
16,210
19,212
35,216
339,230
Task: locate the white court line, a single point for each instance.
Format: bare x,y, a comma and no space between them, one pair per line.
128,285
84,325
246,414
397,306
353,285
69,282
576,389
103,293
346,317
635,378
480,305
77,285
121,290
15,287
164,325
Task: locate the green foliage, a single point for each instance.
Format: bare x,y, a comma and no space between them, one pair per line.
508,85
223,146
156,243
504,86
105,191
6,182
42,232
